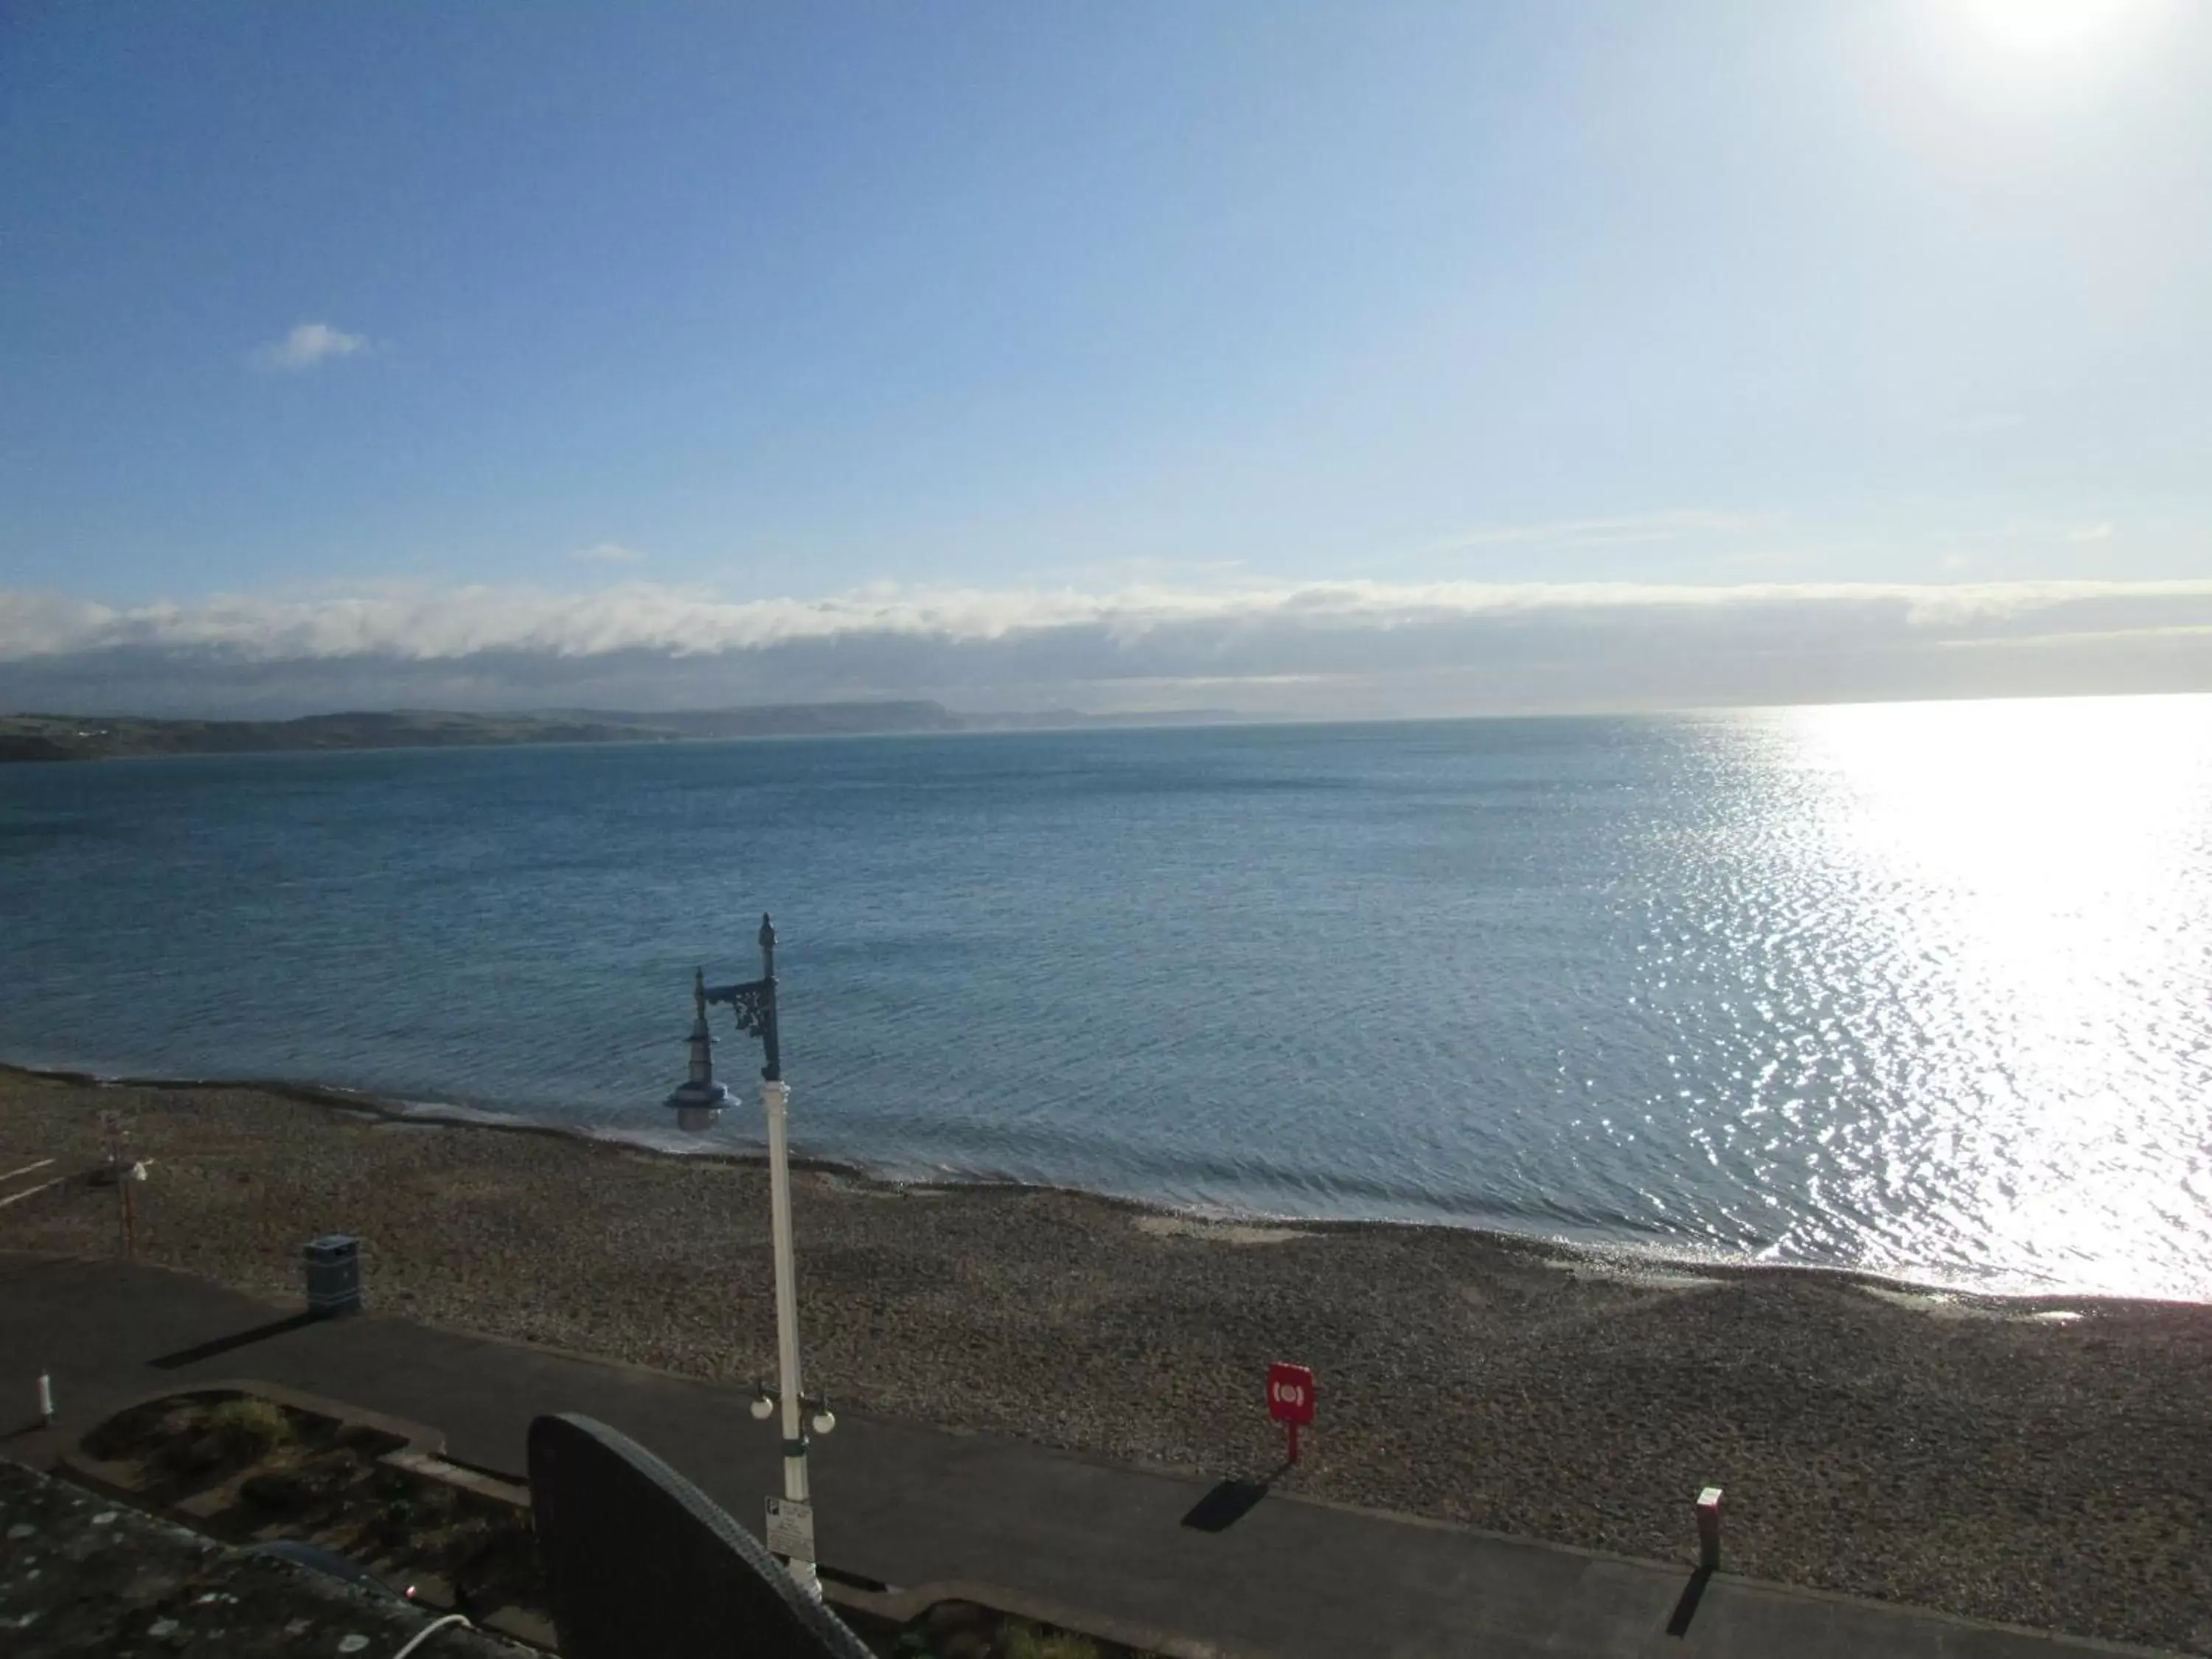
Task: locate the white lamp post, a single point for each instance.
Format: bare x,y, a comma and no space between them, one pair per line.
698,1101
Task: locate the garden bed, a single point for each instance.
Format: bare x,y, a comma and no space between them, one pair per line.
252,1463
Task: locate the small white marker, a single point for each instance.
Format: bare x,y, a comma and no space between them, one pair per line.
46,1399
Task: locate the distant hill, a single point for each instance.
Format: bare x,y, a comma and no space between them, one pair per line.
86,737
790,719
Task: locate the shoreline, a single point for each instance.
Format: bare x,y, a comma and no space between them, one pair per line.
1964,1454
1568,1253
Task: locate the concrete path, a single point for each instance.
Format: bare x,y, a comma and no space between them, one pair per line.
910,1506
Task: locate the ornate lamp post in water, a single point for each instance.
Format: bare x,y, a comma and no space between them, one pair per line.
698,1101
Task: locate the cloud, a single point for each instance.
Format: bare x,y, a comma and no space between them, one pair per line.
1317,648
308,346
608,553
428,623
2095,532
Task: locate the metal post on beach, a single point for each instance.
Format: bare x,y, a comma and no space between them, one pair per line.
120,1171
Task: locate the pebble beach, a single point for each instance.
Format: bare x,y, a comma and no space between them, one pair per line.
2039,1462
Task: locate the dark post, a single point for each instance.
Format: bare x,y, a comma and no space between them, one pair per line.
773,1072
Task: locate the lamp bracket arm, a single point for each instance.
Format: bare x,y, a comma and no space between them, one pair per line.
753,1003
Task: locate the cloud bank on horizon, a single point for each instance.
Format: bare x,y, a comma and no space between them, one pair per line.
1319,649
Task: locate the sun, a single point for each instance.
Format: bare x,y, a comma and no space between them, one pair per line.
2049,28
2030,54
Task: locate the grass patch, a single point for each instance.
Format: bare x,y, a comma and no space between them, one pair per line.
249,1427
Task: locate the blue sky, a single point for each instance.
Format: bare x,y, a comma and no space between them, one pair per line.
354,335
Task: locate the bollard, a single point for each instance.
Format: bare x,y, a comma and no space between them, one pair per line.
46,1399
1709,1528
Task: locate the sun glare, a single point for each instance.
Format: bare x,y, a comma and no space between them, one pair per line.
2044,42
2040,29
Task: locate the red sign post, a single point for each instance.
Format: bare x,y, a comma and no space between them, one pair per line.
1291,1398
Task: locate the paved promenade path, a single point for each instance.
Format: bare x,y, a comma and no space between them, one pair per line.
909,1506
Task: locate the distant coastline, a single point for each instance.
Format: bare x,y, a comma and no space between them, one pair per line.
50,737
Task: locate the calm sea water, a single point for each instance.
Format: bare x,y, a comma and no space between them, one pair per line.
1923,988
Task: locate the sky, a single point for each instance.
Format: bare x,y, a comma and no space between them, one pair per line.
1304,360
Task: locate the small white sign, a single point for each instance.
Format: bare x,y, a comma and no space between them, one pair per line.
791,1528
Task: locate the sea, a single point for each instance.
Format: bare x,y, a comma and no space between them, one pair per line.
1918,989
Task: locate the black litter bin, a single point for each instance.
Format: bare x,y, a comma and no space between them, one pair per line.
334,1274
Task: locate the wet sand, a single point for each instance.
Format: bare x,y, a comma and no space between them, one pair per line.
1962,1454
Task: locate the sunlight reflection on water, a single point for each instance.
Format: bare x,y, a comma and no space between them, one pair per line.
2008,906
